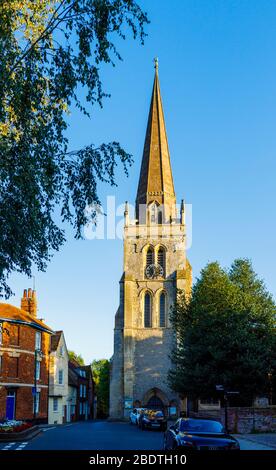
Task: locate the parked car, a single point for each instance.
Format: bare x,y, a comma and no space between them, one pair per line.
152,419
135,415
199,434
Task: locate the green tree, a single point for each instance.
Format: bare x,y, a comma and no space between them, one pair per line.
76,357
51,55
226,334
101,371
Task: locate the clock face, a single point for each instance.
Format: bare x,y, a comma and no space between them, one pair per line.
154,271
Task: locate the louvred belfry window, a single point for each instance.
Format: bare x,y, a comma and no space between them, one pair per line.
161,258
150,257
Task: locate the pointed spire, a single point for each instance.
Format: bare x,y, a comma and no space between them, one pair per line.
156,181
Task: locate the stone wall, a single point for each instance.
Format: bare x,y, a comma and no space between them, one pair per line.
242,419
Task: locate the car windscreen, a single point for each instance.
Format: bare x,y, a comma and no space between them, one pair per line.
154,413
158,414
201,426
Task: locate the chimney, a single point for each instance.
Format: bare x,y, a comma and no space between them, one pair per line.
29,302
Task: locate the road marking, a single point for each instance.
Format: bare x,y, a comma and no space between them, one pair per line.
48,429
21,446
67,425
8,446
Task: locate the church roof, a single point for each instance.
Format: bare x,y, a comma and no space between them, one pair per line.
156,181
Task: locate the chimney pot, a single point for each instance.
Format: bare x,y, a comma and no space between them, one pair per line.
29,302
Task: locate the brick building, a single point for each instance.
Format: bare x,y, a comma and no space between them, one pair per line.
59,403
80,378
24,361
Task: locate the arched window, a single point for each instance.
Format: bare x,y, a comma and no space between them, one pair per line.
150,257
162,310
161,258
147,310
154,213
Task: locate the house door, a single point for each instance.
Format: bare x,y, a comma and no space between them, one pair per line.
10,405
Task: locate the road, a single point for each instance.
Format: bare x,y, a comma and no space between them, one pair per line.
102,435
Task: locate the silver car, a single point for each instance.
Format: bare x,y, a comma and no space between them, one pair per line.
135,415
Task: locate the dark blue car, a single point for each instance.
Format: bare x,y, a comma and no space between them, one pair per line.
199,434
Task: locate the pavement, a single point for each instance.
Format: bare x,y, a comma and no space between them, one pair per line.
265,441
104,435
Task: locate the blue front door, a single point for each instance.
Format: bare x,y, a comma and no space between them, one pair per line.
10,405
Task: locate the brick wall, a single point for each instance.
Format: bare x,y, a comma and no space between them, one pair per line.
17,372
242,419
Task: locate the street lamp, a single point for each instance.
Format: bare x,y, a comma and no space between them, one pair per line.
220,388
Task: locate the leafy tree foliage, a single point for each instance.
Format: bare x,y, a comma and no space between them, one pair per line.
226,334
100,371
50,49
76,357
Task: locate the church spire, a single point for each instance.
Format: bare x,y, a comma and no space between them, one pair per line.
156,181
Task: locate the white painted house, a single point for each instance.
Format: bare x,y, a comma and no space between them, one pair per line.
59,400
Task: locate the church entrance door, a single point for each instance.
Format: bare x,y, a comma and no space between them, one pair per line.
155,403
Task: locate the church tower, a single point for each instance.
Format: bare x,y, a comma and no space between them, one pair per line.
155,266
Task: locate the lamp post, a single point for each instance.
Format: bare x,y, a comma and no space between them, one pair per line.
226,393
37,353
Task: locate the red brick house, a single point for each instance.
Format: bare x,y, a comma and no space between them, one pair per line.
24,361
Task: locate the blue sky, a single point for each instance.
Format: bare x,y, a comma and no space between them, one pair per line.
217,68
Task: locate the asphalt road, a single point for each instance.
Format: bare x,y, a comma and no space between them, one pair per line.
101,435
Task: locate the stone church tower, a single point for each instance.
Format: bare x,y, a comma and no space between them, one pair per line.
155,266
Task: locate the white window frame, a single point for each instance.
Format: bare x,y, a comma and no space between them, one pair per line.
38,340
37,402
37,370
60,375
55,405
